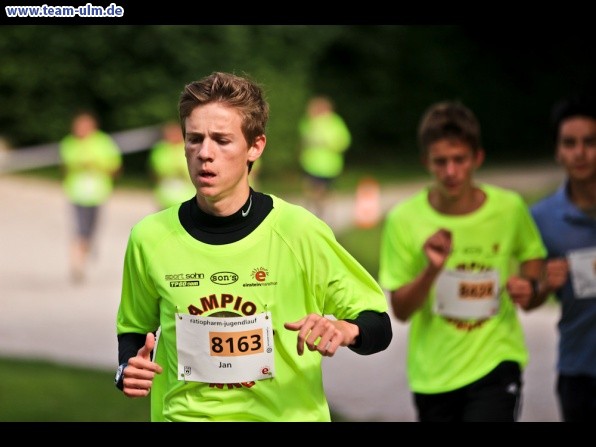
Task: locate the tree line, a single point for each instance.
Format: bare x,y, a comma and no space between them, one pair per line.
381,77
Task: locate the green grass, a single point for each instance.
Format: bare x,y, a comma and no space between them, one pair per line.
39,391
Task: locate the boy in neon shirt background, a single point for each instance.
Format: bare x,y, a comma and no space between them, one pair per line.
446,260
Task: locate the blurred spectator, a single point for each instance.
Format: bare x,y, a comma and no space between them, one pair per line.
324,139
167,165
91,160
567,221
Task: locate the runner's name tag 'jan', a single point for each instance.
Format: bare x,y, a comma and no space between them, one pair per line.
225,350
582,266
461,294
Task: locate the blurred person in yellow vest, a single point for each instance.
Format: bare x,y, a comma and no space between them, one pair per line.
324,139
91,160
167,165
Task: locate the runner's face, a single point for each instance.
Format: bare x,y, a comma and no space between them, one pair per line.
453,163
83,126
217,153
576,147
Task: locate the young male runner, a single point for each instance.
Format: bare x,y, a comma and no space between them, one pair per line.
249,291
447,258
567,223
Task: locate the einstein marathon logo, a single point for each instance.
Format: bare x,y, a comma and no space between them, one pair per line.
261,277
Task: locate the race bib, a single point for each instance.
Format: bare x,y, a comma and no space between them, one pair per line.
582,266
225,350
461,294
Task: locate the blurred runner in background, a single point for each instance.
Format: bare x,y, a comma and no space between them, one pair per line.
567,222
458,259
90,161
324,139
168,169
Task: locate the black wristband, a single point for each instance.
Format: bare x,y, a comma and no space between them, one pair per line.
119,378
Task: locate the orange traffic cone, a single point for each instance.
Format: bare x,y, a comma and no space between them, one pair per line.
367,210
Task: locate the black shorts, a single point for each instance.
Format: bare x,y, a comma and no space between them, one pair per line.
86,220
495,397
577,398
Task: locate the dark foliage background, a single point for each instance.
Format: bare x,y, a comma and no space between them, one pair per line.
382,78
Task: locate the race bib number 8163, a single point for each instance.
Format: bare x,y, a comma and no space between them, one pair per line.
228,344
225,349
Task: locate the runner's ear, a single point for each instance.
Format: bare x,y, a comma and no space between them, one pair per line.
257,148
479,157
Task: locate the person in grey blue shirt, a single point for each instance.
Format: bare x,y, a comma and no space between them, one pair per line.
567,222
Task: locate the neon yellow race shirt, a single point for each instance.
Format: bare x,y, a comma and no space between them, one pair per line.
290,265
90,166
325,138
445,354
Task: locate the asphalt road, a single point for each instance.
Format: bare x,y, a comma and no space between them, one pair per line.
45,316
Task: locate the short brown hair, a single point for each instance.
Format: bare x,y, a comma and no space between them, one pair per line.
234,91
449,120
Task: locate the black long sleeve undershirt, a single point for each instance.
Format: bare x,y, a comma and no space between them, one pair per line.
128,346
375,332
